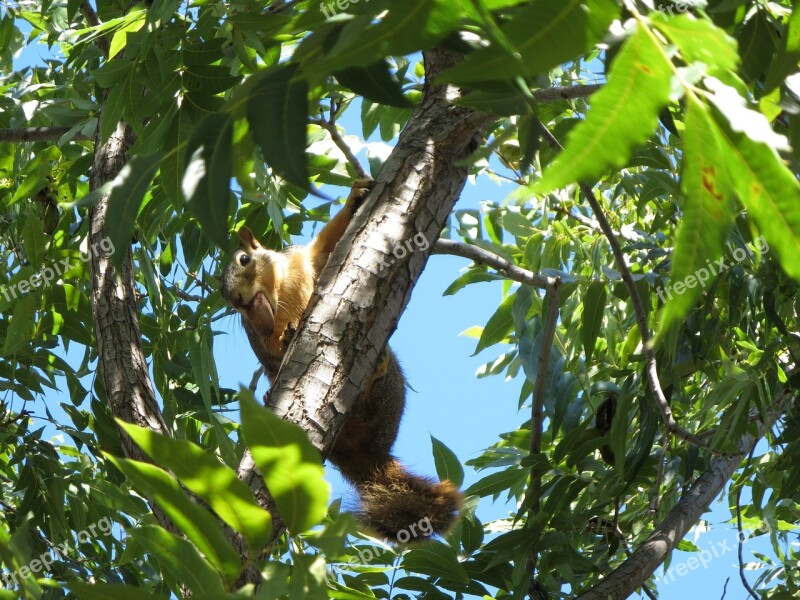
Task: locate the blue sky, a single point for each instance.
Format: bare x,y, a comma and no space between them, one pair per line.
464,412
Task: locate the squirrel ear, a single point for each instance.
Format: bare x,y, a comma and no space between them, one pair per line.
247,239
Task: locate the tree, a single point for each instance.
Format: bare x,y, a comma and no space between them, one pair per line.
649,316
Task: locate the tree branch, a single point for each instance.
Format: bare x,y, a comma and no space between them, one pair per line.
92,19
634,571
122,363
342,145
740,537
36,134
363,289
565,93
651,368
495,261
537,409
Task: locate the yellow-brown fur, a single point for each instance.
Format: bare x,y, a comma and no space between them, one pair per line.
271,291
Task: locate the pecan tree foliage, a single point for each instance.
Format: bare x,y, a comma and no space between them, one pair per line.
648,241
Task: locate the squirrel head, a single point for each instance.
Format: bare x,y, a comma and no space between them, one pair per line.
249,282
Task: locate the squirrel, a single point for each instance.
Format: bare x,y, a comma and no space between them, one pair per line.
271,291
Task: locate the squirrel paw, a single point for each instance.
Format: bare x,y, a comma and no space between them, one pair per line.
359,192
286,336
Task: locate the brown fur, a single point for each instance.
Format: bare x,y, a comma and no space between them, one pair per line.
271,291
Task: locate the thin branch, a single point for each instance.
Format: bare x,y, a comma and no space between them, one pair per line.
257,375
548,335
93,20
595,225
565,93
184,296
205,286
634,571
342,145
651,369
621,537
36,134
537,409
656,499
495,261
746,585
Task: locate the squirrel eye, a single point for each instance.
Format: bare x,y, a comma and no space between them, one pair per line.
244,259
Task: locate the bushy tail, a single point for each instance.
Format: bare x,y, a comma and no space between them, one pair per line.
404,507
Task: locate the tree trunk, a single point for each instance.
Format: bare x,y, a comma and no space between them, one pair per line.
367,282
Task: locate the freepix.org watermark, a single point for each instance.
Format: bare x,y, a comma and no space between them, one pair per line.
677,7
46,559
713,268
54,271
706,555
418,242
330,9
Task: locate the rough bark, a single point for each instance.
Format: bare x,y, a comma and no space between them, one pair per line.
122,363
365,287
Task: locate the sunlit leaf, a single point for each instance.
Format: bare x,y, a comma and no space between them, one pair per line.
289,463
206,476
638,84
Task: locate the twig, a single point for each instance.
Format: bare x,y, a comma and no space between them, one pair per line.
93,20
36,134
548,334
739,528
184,296
595,225
566,93
342,145
278,8
502,265
254,381
635,570
200,282
537,410
656,499
651,368
725,588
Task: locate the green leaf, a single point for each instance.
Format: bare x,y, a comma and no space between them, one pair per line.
699,40
133,21
638,84
206,182
544,35
768,190
20,330
499,326
277,112
409,27
437,560
104,591
179,557
209,79
757,45
200,526
34,240
447,464
174,163
496,482
127,192
374,82
289,463
707,215
594,306
203,474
